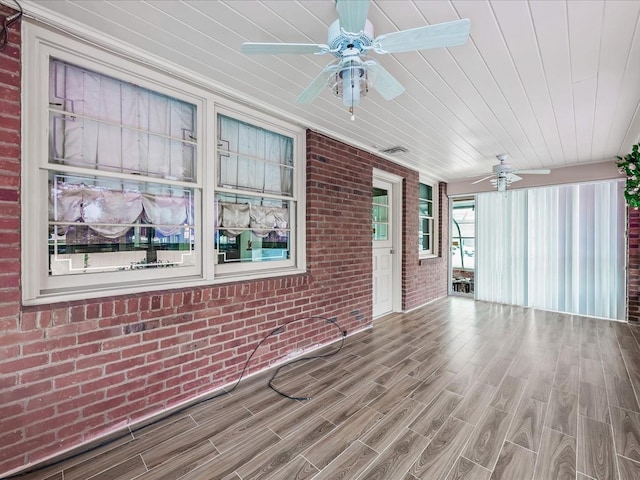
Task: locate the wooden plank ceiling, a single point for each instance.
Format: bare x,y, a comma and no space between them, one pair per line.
550,83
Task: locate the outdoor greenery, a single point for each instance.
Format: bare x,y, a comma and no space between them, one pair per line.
630,165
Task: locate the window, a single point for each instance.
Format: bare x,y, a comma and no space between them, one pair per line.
119,158
426,214
254,196
138,196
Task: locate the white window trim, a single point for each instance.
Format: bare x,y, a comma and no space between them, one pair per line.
39,44
435,191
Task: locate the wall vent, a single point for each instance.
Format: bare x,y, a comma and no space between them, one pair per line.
394,150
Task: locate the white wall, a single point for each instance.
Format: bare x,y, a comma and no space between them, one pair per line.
570,174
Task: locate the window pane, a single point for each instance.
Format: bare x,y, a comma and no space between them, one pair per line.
425,226
252,229
100,225
466,230
380,214
253,158
425,234
464,214
106,124
425,242
463,254
425,209
425,192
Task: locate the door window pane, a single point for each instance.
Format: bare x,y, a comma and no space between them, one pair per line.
380,230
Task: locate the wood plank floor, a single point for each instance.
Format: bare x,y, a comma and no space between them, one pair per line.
455,390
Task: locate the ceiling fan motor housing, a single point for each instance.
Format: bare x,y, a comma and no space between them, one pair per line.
340,41
502,168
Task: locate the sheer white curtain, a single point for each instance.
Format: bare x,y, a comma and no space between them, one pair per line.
556,248
256,159
577,249
116,126
501,247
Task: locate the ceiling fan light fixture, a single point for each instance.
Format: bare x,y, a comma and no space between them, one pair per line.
350,84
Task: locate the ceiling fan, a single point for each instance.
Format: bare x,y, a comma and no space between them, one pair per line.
504,174
350,39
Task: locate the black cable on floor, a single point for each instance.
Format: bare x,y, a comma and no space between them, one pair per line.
278,330
343,333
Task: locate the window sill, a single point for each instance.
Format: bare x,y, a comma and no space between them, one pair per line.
50,297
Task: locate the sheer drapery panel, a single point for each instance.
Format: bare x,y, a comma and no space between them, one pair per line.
501,247
556,248
577,249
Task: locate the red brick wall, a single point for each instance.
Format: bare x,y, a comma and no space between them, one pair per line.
10,323
9,181
633,265
427,278
346,175
73,372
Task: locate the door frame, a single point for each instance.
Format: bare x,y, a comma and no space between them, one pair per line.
396,236
450,290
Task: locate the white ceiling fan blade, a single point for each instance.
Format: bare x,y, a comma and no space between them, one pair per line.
482,179
352,14
448,34
384,83
539,171
252,48
513,178
314,89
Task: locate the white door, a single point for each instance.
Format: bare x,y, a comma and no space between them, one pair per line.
383,247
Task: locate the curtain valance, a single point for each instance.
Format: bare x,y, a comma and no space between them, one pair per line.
261,219
98,206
